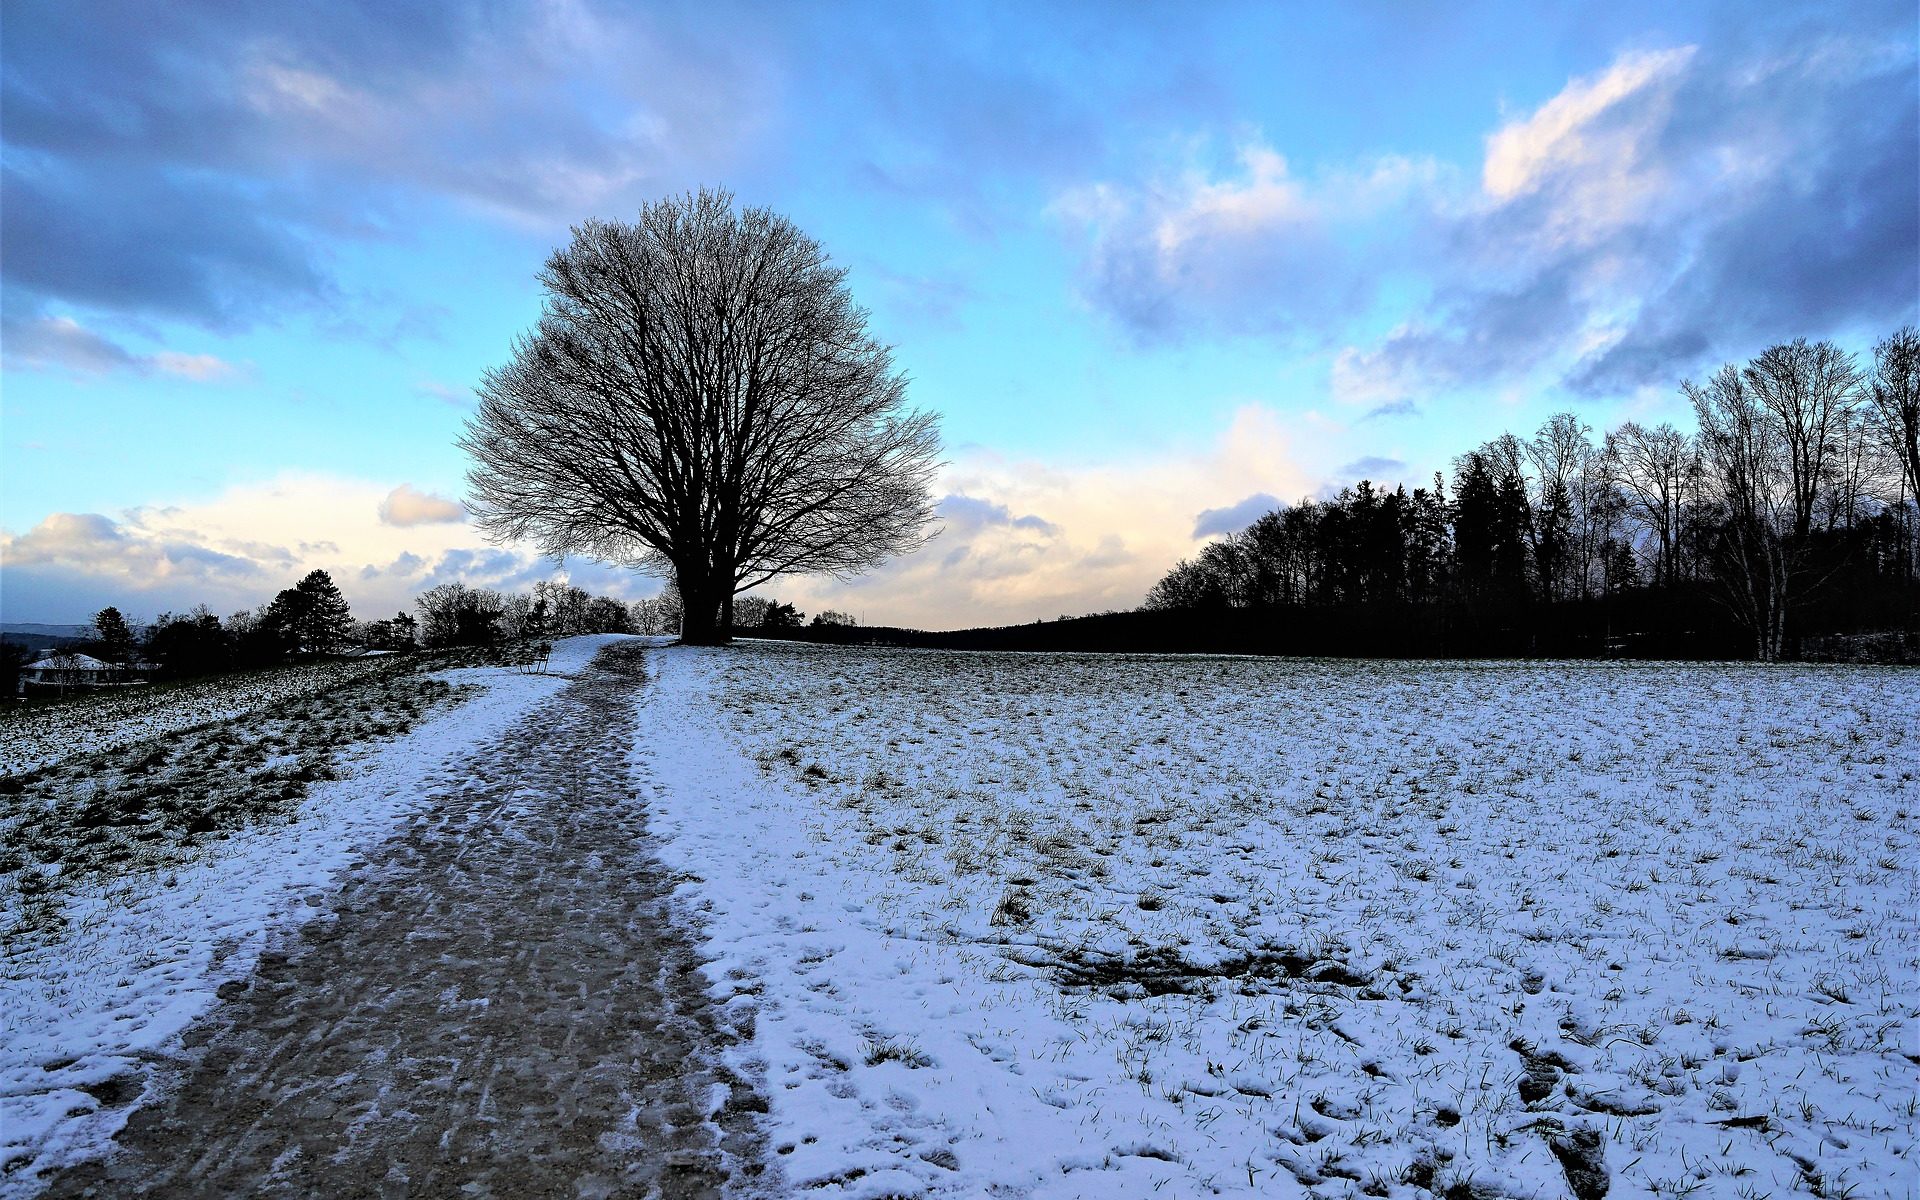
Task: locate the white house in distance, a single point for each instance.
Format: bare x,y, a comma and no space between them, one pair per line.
68,670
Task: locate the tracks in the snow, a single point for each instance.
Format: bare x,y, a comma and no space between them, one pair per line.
498,1004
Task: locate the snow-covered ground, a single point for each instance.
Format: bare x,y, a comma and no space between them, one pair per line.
42,734
1113,926
84,1017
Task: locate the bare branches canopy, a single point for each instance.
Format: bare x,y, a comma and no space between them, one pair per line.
701,397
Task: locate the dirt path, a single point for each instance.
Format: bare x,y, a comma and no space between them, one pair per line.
497,1005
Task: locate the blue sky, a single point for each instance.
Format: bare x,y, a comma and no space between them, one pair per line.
1151,263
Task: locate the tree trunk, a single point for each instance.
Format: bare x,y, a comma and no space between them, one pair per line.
700,601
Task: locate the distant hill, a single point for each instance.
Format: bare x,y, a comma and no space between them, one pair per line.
37,629
36,636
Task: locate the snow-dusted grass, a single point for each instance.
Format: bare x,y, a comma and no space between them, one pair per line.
157,803
38,735
1105,926
136,954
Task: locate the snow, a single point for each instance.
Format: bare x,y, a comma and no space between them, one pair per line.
39,735
1057,926
140,959
1061,926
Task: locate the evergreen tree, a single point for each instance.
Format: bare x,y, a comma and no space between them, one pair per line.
1475,523
276,634
1429,550
311,617
781,616
327,622
1552,535
116,640
535,623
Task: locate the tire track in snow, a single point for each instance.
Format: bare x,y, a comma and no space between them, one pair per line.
499,1003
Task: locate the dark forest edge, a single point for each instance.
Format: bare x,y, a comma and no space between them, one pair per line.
1785,521
1785,527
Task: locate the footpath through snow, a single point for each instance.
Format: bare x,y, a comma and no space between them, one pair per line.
493,1000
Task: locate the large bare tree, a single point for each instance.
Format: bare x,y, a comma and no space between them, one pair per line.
1561,454
701,399
1808,389
1747,457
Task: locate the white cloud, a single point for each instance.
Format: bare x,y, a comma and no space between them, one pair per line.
1571,134
406,506
274,88
1266,199
44,342
445,393
1022,540
1255,247
236,549
201,368
1029,541
1674,206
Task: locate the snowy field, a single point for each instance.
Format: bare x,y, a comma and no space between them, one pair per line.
1114,926
1102,926
92,1004
42,734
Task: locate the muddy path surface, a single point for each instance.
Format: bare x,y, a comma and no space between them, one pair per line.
498,1003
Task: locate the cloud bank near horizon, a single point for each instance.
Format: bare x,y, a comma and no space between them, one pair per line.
1019,541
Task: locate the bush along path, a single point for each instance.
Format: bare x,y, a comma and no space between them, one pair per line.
498,1003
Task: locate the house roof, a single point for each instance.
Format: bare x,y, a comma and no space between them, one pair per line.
71,662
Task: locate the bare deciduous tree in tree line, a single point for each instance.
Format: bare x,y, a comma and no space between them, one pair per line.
1807,388
1744,457
701,398
1656,469
1895,389
1801,475
1790,438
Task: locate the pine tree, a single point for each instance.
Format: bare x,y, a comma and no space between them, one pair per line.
116,640
1513,518
1475,532
278,631
326,622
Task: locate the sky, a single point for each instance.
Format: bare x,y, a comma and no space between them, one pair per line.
1158,267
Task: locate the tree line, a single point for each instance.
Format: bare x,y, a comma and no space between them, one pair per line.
1790,508
312,619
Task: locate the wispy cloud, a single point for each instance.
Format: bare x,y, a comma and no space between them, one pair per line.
1675,205
1234,516
237,548
190,163
62,342
1257,248
1373,466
